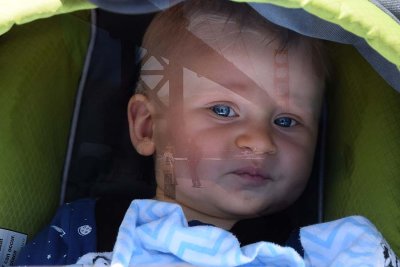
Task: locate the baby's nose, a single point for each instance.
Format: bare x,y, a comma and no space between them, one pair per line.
258,140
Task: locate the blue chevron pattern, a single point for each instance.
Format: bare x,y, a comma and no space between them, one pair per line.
351,241
157,232
154,232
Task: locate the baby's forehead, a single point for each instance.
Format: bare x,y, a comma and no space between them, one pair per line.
223,22
213,24
200,39
221,30
223,34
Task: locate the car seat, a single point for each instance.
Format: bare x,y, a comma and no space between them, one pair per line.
66,78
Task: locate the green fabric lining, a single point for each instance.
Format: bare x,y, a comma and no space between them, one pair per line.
23,11
362,18
41,64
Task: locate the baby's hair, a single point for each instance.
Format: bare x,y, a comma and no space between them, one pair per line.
169,30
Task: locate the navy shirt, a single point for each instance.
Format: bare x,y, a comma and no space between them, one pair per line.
71,234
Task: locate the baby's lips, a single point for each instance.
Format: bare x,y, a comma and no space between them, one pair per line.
252,171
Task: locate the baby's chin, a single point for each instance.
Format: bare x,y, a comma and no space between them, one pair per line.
249,212
256,211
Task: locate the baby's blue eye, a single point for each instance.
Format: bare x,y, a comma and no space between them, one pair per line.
223,111
285,122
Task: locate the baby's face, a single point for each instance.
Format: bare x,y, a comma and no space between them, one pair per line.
244,131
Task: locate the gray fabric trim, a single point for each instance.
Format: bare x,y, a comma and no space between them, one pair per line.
77,107
136,6
390,7
307,24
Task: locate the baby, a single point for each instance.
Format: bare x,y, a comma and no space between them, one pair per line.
228,105
238,99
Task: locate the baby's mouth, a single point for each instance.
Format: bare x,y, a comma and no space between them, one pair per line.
252,175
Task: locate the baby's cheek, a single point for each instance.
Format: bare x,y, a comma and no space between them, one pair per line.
208,166
299,152
297,186
297,168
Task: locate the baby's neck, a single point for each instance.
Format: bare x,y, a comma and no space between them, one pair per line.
192,214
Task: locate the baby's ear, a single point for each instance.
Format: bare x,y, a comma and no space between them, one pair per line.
140,118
